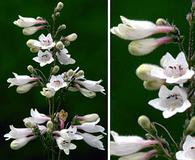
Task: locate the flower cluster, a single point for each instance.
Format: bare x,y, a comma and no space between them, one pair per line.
51,51
80,129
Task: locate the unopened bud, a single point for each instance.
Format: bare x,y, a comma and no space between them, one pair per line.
61,27
21,89
146,124
29,123
55,69
161,21
49,126
189,18
153,85
34,50
59,7
66,43
59,45
71,37
70,73
57,14
87,118
79,74
30,68
191,127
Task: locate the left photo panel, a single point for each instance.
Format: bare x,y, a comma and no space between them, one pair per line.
53,80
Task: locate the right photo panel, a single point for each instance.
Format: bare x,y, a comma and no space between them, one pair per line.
152,80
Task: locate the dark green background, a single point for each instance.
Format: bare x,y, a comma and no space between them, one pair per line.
128,97
89,20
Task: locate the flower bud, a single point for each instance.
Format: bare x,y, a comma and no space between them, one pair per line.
191,127
31,69
32,30
153,85
61,27
59,7
34,50
57,14
59,45
87,118
25,88
48,92
144,72
21,142
70,73
146,124
66,43
49,126
55,69
71,37
161,22
79,74
29,123
146,46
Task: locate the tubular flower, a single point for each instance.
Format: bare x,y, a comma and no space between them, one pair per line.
188,152
171,101
146,46
25,22
22,136
126,145
20,80
37,117
32,30
64,58
140,156
93,141
133,29
173,70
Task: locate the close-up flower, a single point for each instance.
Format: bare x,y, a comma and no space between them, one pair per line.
135,29
174,70
44,58
171,102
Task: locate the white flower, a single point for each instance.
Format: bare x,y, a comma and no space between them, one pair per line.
22,136
139,156
25,88
125,145
188,152
19,143
56,82
146,46
87,118
91,127
44,42
65,145
173,70
37,117
64,58
91,85
20,80
44,58
48,92
93,141
133,29
32,30
24,22
171,101
64,138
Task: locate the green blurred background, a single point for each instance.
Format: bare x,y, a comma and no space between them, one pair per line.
128,97
89,21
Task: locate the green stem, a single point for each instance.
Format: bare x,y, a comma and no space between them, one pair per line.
59,154
155,123
190,45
